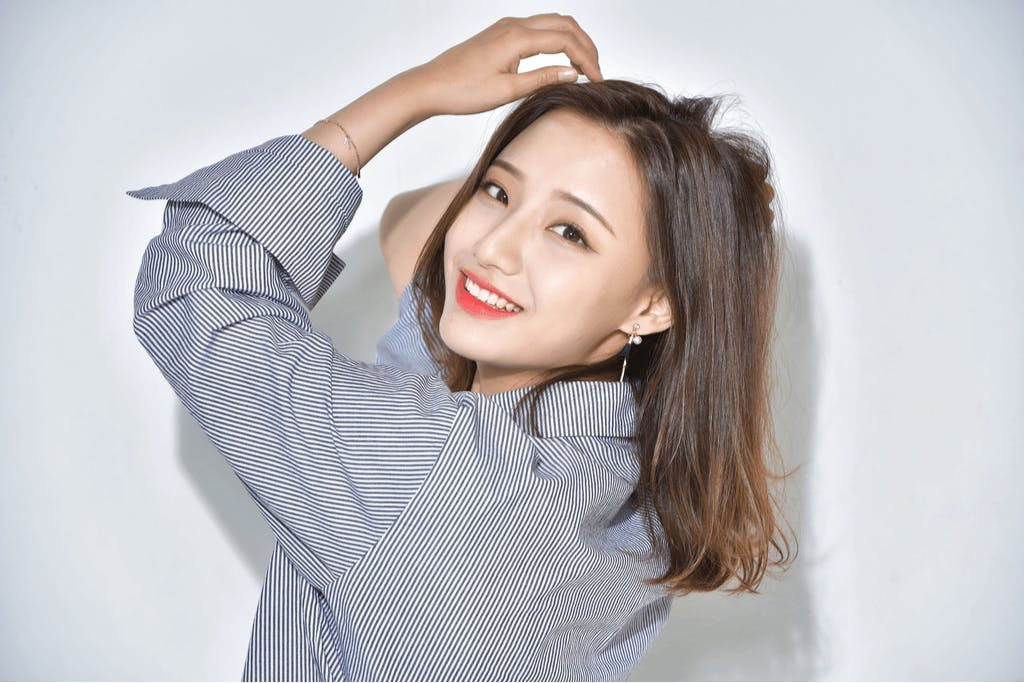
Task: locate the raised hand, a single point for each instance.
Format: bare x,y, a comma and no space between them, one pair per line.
474,76
481,73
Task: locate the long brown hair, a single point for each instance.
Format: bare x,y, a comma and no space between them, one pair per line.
704,437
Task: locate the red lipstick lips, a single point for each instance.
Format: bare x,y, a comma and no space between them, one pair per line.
474,306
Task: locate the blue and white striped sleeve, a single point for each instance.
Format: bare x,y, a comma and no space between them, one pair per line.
331,449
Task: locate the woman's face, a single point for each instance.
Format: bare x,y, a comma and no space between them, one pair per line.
574,277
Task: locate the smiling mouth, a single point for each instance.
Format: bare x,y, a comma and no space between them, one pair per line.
480,302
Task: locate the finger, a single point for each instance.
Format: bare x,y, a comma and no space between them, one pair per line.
565,22
549,41
528,81
559,22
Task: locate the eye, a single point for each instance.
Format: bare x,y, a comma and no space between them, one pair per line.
572,233
485,185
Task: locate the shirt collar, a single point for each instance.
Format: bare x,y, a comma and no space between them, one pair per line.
577,408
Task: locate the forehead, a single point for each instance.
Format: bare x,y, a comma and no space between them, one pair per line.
563,150
571,142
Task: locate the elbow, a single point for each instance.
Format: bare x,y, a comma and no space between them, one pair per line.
390,218
145,332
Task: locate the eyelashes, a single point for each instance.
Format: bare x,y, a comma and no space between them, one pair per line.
570,228
485,183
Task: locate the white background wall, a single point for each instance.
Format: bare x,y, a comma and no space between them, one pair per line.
131,551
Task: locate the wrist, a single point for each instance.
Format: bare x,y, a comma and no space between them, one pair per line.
415,91
373,120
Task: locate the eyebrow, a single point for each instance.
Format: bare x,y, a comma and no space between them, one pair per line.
502,163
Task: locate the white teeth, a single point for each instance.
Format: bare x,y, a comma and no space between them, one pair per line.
490,298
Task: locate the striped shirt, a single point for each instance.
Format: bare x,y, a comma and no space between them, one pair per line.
420,533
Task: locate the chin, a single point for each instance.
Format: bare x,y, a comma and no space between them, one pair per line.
467,342
452,338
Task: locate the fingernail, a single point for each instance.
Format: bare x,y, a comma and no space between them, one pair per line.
567,75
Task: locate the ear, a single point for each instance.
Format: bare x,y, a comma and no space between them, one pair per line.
653,315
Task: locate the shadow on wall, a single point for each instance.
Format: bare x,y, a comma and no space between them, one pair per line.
356,311
773,635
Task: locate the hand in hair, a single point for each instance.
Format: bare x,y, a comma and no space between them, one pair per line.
481,73
476,75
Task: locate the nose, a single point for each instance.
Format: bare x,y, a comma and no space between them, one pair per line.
501,246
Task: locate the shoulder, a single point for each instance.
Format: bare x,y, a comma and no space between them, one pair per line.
407,222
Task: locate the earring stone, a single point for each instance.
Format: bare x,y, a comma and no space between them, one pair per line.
634,338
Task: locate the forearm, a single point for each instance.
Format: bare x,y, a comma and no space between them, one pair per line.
469,78
374,119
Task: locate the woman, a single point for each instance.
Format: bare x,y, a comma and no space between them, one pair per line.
609,259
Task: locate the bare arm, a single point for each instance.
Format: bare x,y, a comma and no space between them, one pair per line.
406,224
474,76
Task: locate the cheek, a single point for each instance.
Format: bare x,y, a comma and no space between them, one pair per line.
464,219
456,239
585,287
586,305
454,244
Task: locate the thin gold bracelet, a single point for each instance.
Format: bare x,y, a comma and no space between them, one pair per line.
348,143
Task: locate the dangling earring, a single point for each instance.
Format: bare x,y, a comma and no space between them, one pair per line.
634,338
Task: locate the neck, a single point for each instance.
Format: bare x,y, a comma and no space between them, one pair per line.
488,379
